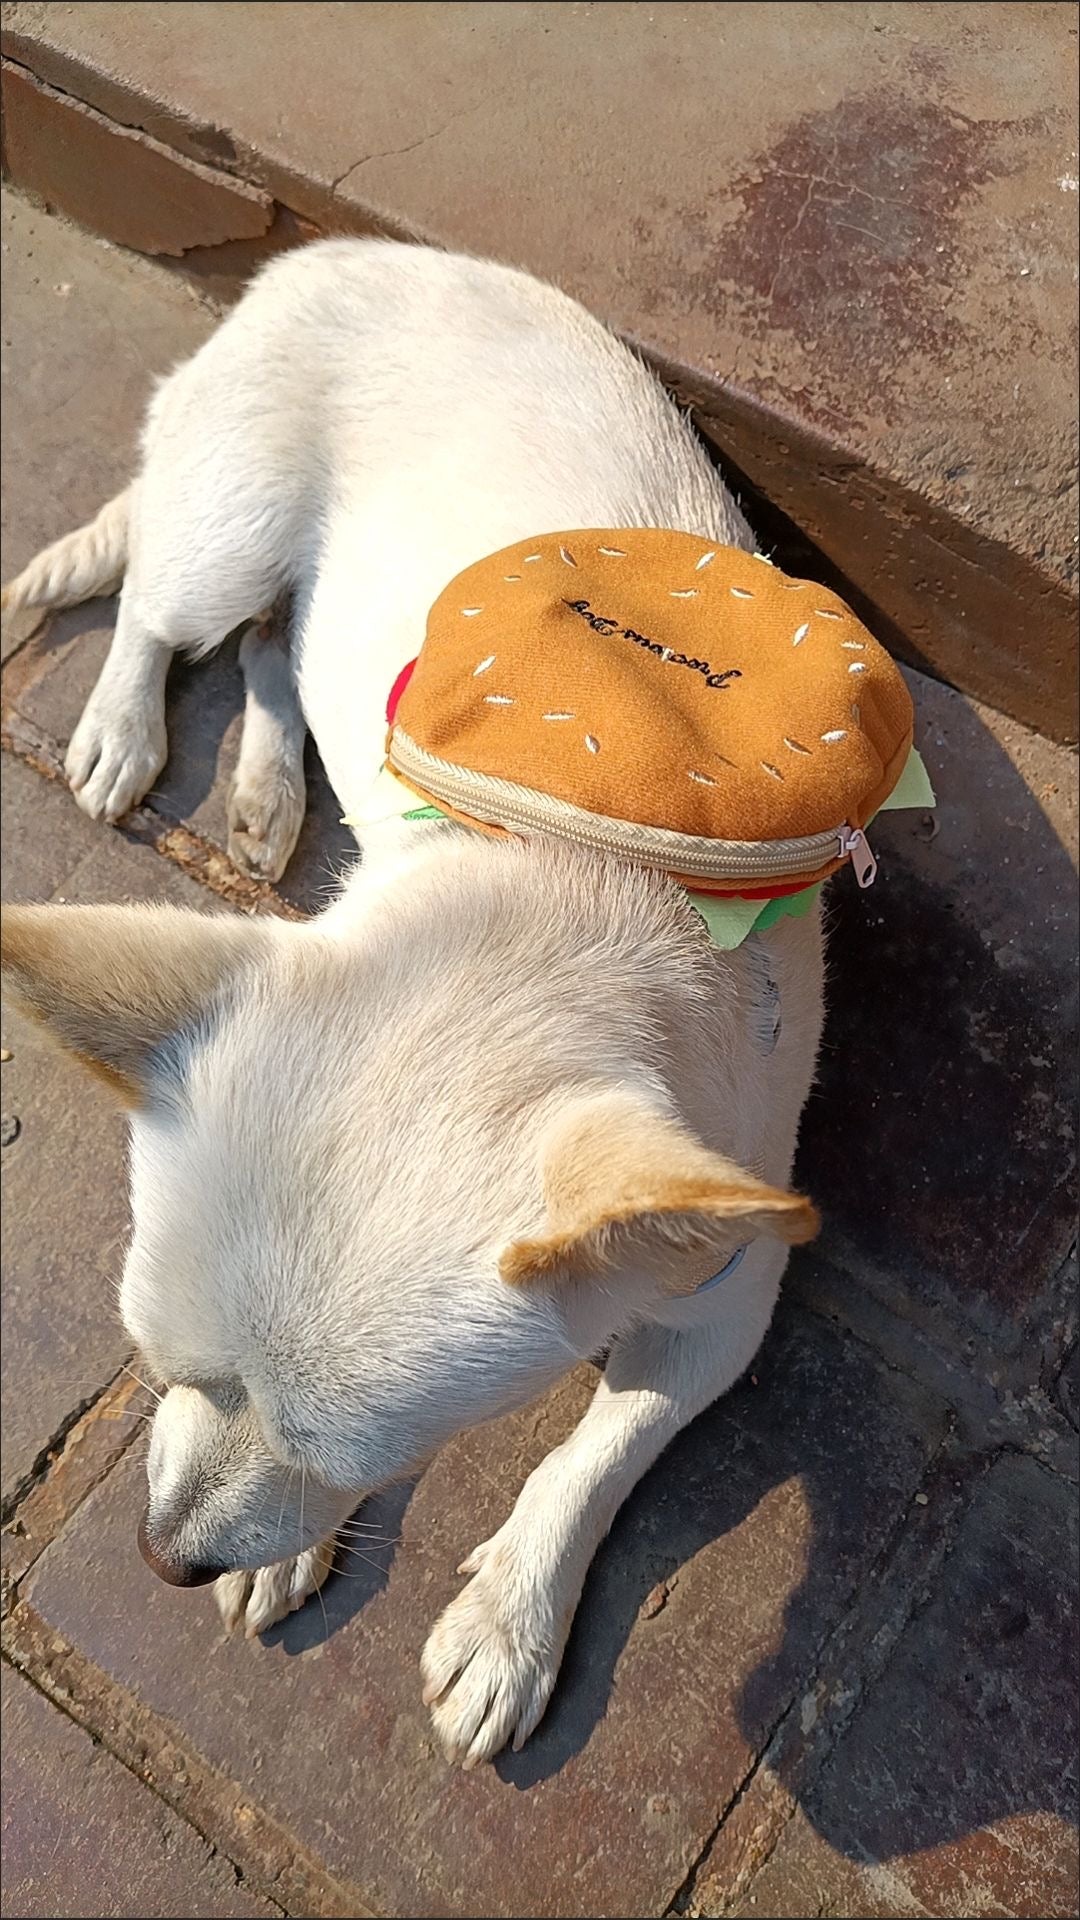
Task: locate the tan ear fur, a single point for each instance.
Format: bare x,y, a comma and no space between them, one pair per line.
626,1184
111,983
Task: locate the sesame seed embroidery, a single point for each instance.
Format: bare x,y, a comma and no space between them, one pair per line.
605,616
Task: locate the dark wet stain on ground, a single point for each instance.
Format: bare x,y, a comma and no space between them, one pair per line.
849,231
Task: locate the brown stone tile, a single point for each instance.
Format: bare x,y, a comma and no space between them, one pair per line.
761,1522
89,1451
82,1836
44,837
64,1174
954,1790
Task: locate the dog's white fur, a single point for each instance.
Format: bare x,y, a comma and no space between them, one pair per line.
395,1170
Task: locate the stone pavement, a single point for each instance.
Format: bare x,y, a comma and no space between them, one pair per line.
824,1662
847,232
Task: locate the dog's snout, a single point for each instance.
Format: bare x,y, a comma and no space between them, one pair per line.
175,1573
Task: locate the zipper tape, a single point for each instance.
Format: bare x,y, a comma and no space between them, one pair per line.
502,803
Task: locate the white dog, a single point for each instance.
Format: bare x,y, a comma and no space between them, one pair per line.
348,1136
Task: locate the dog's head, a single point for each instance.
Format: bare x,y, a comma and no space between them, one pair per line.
393,1170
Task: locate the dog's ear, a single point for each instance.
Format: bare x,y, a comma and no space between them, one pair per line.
627,1187
111,983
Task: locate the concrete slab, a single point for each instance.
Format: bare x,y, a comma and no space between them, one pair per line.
80,1835
64,1179
850,234
701,1620
954,1791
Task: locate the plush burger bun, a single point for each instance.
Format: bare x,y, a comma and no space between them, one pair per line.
656,678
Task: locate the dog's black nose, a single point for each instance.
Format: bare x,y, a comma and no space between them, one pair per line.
175,1573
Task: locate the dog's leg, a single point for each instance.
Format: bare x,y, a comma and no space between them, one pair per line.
490,1664
258,1600
120,745
268,792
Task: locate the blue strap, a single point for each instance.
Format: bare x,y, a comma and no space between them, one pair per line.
724,1273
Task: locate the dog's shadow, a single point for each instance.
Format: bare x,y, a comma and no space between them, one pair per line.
362,1563
810,1462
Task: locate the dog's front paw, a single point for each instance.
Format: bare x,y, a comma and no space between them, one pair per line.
491,1661
256,1600
116,754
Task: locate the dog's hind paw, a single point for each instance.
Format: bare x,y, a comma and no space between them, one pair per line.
491,1661
266,813
255,1601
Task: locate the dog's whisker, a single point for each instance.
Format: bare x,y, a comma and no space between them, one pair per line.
284,1496
340,1573
144,1384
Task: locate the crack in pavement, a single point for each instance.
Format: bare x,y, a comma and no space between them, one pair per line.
391,153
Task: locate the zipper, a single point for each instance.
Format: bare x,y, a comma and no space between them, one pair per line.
503,803
855,846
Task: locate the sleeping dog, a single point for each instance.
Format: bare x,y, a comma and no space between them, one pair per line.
350,1136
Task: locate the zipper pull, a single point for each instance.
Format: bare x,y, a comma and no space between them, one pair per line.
855,846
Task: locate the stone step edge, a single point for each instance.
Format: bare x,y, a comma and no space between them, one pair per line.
957,605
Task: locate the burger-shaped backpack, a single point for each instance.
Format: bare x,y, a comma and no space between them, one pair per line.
679,704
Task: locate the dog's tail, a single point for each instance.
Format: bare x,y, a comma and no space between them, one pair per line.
82,564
